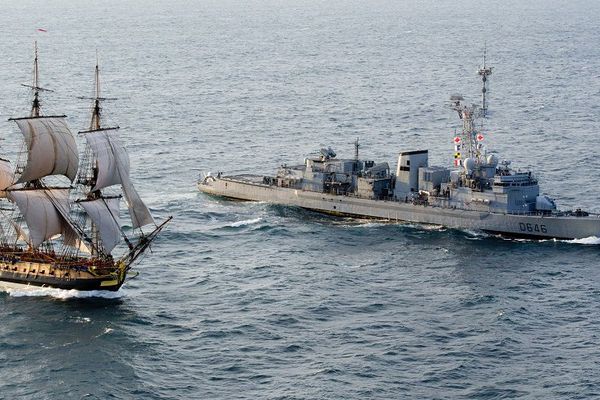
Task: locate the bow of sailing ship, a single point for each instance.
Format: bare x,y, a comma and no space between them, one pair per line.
61,211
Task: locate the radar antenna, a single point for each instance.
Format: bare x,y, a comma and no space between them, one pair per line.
484,72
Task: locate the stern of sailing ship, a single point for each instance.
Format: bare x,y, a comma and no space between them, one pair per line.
67,273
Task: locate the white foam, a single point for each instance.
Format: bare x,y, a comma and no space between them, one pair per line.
166,197
475,235
16,290
591,240
365,225
107,331
244,223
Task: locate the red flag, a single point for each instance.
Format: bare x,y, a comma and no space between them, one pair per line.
41,30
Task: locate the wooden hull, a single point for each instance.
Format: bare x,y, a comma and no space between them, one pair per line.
46,275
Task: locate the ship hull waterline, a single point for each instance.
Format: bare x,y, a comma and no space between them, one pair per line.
37,275
539,227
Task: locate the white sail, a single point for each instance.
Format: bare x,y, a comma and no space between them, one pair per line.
7,176
40,208
51,148
83,247
21,234
112,165
105,215
111,158
140,215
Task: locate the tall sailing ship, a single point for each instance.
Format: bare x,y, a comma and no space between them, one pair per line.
61,211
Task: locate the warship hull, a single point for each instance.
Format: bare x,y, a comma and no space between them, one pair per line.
534,226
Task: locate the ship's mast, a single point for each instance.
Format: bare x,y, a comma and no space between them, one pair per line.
95,121
35,104
96,109
91,179
484,72
466,145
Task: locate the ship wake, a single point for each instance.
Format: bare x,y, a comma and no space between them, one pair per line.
591,240
62,294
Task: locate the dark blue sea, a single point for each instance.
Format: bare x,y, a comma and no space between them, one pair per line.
253,301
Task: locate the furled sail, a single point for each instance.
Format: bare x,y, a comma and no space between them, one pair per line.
7,176
104,212
43,211
112,164
51,148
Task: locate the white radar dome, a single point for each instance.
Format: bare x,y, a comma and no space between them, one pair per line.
492,160
469,164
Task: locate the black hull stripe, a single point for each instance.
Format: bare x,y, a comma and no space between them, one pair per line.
77,284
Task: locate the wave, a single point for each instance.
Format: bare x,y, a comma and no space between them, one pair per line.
591,240
475,234
245,222
63,294
359,224
427,227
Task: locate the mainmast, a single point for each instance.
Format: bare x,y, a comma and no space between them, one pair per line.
107,164
484,72
97,99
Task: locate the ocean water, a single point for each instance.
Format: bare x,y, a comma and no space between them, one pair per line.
248,300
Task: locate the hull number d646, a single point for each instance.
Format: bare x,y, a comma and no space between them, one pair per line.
528,227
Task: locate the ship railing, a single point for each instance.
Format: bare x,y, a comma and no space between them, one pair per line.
244,181
553,214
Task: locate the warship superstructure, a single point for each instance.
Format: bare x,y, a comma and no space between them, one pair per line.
60,212
477,193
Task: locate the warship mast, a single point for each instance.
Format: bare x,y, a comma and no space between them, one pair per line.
484,72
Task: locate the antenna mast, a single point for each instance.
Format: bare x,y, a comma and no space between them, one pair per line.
484,72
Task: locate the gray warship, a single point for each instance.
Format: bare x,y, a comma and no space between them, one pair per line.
477,193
